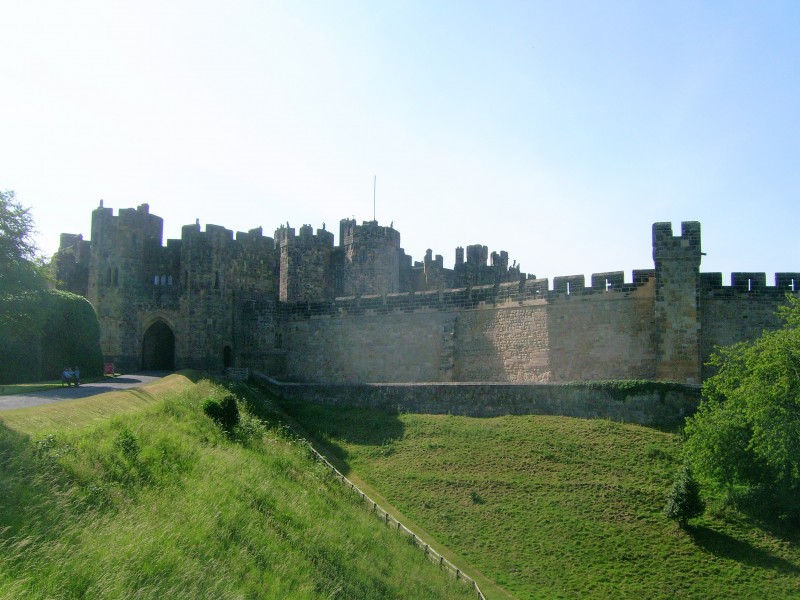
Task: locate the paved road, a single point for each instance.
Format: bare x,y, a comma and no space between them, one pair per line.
70,393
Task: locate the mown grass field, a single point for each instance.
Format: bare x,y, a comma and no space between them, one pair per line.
158,502
554,507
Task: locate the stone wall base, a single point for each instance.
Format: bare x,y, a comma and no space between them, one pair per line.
650,404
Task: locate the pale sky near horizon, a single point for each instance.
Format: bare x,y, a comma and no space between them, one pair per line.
558,131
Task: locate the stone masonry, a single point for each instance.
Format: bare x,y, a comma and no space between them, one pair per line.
299,308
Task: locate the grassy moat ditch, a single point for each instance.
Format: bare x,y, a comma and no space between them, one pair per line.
140,494
556,507
159,501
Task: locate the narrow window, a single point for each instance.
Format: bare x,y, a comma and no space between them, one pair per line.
216,280
568,288
155,280
116,276
169,280
163,280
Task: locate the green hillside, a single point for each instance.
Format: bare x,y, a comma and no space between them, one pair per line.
160,502
553,507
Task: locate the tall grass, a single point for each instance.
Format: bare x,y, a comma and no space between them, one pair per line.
554,507
161,503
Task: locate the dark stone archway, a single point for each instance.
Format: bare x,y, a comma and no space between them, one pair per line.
158,348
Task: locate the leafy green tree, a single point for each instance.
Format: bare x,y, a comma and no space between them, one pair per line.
745,436
21,266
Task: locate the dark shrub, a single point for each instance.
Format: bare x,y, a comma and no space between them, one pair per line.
127,443
683,500
224,413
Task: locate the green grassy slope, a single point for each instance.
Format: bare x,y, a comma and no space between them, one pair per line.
160,503
555,507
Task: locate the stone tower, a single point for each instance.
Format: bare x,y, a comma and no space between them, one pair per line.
371,258
305,264
677,314
123,250
71,264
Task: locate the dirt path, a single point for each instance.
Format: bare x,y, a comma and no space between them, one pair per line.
70,393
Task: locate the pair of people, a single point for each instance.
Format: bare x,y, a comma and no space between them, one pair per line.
71,376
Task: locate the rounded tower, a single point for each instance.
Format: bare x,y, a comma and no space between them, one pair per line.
371,258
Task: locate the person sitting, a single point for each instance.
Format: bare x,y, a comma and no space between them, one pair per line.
66,376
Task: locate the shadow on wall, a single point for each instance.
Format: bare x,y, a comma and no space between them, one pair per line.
365,427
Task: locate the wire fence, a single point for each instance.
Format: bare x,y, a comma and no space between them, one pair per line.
380,512
390,521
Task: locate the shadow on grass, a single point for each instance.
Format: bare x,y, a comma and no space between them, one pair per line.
28,505
723,545
338,425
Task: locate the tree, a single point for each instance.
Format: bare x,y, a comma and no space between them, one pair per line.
745,436
41,330
21,267
683,501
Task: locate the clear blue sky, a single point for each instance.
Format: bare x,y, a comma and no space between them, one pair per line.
558,131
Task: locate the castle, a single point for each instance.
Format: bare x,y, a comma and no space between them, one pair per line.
300,308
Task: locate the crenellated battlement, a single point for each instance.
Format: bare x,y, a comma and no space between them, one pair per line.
752,283
665,245
285,236
211,233
130,226
516,293
368,232
299,306
254,237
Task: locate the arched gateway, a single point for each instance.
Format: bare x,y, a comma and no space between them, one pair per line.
158,348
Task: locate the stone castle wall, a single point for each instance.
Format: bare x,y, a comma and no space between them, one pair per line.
501,334
670,404
212,300
741,311
397,347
